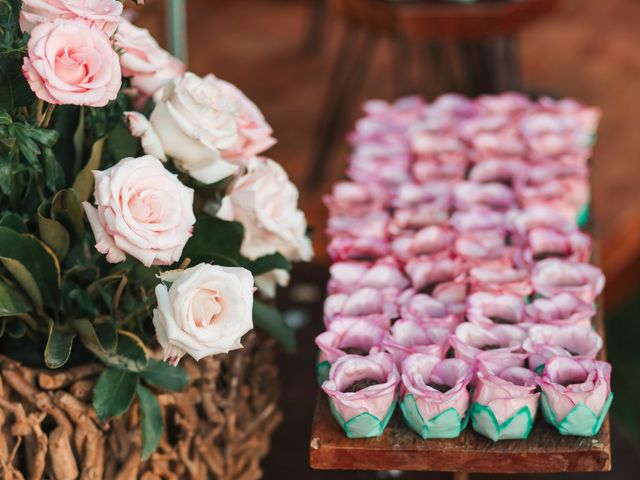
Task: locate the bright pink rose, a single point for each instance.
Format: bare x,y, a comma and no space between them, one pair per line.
567,382
71,62
142,210
142,59
347,247
471,339
505,279
478,219
350,276
421,373
375,399
545,242
426,272
105,14
371,225
553,276
366,301
495,196
561,310
355,199
349,336
548,341
407,337
507,391
487,308
427,241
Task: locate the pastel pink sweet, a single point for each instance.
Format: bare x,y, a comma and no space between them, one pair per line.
426,241
494,361
376,130
425,271
422,307
553,276
429,144
348,333
505,104
382,320
487,308
407,337
355,199
507,391
419,370
370,225
568,381
380,164
412,194
478,124
375,399
412,218
503,144
587,117
550,134
506,279
547,341
404,110
452,105
545,242
347,247
452,294
366,301
538,216
471,339
482,245
497,170
349,276
573,191
560,310
447,167
496,196
478,219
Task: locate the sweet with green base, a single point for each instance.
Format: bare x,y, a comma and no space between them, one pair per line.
447,424
580,421
516,427
364,425
322,371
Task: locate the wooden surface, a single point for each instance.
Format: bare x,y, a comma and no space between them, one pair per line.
399,448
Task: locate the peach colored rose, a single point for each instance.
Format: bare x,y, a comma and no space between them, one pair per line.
70,62
104,13
142,59
204,311
265,201
142,210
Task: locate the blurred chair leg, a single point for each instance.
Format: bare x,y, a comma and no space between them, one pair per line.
348,74
316,24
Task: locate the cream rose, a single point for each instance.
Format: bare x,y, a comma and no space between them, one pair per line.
268,282
104,13
70,62
142,210
205,311
266,203
142,59
195,121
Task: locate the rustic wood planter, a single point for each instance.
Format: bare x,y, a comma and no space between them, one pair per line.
219,427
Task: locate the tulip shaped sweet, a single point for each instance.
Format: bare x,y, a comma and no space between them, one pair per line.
435,396
552,276
426,241
561,310
576,394
493,308
504,279
478,219
543,243
471,339
420,307
407,337
495,196
366,301
355,199
362,393
504,403
547,341
347,247
427,271
349,276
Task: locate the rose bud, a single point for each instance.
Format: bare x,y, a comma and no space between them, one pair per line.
105,14
413,218
576,394
504,403
420,307
371,225
426,272
471,339
346,247
350,276
346,336
362,393
366,301
407,337
547,341
426,241
435,399
501,279
486,308
543,243
497,170
478,220
495,196
553,276
560,310
355,199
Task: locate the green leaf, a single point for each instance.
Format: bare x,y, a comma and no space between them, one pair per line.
15,327
58,348
5,118
101,337
78,139
83,184
28,147
67,209
215,240
15,92
107,335
53,173
163,375
53,233
6,176
83,302
12,301
114,392
129,354
151,421
14,222
32,264
271,321
269,262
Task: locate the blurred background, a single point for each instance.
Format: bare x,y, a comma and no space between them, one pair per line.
308,64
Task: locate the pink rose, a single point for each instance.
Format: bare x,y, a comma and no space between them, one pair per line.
560,310
505,279
355,199
426,241
547,341
487,308
365,301
407,337
471,339
553,276
507,391
567,382
350,276
349,336
426,272
420,371
142,59
545,242
495,196
105,14
347,247
142,210
70,62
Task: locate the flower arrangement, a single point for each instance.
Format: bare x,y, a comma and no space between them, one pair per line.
458,232
134,206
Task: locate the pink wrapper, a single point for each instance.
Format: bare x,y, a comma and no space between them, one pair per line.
349,276
547,341
553,276
489,308
407,337
344,334
470,339
507,391
563,309
366,301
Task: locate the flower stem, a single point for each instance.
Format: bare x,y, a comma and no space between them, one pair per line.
47,115
39,108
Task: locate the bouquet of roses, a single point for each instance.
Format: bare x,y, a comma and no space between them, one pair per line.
133,204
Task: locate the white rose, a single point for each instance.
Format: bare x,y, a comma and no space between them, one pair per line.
142,210
266,203
195,121
266,283
206,311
